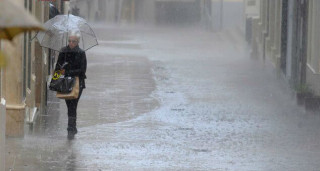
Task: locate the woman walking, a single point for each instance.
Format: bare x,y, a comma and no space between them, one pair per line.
72,62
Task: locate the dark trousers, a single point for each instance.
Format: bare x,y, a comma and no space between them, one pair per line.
72,112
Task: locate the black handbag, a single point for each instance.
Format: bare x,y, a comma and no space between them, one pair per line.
61,84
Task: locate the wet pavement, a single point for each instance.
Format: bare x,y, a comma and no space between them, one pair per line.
162,99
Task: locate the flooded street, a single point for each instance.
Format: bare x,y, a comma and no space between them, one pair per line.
158,99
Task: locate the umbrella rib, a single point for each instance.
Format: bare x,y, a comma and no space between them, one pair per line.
94,35
89,47
87,33
43,36
90,29
47,31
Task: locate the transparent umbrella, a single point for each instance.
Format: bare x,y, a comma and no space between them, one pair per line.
57,29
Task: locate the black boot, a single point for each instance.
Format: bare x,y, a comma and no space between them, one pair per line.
72,129
71,135
72,132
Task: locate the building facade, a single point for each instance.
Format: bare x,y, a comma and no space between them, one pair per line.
313,51
23,81
285,33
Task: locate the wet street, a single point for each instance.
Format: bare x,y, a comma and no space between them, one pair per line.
162,99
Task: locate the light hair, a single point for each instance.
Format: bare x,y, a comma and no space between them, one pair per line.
75,33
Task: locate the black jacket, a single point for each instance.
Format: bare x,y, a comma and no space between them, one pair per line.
74,61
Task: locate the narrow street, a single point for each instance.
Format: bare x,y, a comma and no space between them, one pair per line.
174,99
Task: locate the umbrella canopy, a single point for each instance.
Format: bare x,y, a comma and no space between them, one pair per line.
58,28
15,20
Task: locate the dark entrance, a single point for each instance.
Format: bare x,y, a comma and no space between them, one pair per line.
284,36
302,35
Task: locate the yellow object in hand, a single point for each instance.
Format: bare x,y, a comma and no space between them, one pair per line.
56,75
